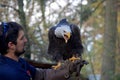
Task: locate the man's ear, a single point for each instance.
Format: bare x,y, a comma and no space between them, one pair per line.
11,45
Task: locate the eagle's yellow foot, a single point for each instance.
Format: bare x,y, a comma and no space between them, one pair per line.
74,58
57,66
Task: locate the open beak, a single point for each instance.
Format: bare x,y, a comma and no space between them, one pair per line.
67,36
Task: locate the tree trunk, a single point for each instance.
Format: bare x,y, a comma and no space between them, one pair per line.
42,7
110,30
22,18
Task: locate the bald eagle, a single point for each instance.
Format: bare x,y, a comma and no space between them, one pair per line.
64,41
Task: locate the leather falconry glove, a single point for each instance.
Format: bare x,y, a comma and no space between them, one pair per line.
62,73
67,68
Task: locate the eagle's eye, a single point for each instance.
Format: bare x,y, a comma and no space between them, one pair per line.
64,31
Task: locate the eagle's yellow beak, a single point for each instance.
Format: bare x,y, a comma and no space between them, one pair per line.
67,36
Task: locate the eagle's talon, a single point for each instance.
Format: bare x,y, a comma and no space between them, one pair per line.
57,66
74,58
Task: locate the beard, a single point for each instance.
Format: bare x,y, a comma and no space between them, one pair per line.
18,53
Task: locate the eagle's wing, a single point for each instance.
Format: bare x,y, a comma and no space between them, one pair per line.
77,47
53,48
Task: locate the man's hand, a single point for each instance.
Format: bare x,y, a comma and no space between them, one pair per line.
75,66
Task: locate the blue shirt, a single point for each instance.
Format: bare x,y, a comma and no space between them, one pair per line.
13,70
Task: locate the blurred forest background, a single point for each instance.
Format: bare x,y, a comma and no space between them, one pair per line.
98,20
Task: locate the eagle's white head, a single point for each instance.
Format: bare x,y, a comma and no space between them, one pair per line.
63,30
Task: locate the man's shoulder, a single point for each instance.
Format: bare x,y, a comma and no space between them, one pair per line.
1,60
3,64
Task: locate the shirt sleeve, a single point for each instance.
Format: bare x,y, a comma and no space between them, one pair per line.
31,70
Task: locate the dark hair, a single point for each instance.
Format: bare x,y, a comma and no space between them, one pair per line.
8,33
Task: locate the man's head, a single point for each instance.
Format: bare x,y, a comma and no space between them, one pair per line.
12,39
